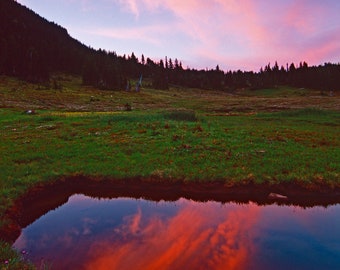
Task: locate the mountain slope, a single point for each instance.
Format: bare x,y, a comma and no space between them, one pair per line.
31,47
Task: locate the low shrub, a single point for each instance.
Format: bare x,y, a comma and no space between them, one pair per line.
181,115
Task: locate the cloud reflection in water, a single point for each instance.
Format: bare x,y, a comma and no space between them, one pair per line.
87,233
202,236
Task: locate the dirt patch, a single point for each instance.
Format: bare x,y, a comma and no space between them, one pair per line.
43,198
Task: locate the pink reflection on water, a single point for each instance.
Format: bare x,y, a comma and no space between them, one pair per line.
202,236
122,233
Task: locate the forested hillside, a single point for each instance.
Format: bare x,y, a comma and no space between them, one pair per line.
32,48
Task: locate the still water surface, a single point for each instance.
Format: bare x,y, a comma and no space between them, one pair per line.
123,233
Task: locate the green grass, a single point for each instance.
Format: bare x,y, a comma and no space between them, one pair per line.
11,260
272,147
188,135
181,115
281,91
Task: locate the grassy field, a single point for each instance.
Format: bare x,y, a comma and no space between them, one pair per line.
268,136
180,134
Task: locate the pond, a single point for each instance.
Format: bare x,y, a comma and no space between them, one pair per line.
129,233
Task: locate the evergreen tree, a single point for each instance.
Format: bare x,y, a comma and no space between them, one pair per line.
161,64
133,58
171,66
166,62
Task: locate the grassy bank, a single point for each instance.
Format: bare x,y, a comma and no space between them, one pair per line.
10,259
180,134
298,146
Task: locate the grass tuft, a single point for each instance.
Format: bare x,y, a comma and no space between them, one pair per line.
181,115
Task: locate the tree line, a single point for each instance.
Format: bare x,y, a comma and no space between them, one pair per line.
33,48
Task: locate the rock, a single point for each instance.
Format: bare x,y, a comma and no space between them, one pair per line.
275,196
30,112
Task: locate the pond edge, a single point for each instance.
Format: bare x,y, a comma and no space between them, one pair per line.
46,196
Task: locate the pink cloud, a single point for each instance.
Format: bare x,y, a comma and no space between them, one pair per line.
223,30
191,236
144,33
304,17
130,6
325,47
134,222
235,34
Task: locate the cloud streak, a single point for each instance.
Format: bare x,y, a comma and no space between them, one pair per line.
201,237
244,34
143,33
257,31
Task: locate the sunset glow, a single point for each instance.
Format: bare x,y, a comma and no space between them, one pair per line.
123,233
242,35
203,239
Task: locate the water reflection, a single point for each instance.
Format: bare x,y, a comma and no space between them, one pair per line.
87,233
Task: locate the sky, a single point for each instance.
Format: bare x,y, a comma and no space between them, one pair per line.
234,34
